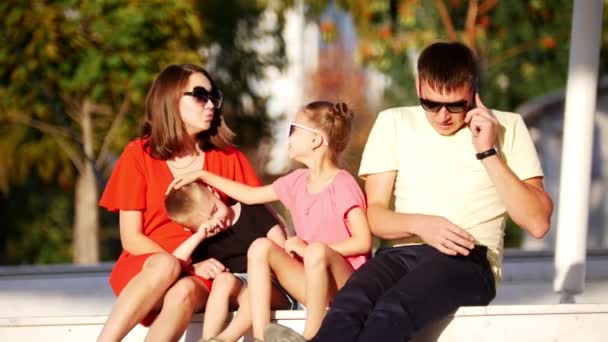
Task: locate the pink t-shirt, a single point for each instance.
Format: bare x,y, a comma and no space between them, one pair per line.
321,217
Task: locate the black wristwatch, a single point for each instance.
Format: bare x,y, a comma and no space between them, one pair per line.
485,154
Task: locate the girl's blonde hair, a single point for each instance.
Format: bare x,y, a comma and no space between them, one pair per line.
335,120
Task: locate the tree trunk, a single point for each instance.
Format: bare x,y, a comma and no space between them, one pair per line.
86,218
86,211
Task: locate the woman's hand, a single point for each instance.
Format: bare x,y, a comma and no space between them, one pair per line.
295,245
184,179
209,268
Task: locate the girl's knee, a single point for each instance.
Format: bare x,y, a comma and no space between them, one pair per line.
316,254
162,267
259,248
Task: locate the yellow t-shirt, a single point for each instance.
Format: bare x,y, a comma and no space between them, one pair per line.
439,175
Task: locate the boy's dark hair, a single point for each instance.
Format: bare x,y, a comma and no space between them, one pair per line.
181,204
447,67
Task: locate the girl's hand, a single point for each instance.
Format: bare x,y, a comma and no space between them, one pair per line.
295,246
184,179
209,268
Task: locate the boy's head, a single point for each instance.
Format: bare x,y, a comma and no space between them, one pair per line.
194,206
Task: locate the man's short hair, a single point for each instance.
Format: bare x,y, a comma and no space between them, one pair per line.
182,204
447,67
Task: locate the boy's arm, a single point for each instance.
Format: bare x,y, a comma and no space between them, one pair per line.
185,249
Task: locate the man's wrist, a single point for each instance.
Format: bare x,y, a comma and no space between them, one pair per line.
487,153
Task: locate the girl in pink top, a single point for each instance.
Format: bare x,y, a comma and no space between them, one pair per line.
328,210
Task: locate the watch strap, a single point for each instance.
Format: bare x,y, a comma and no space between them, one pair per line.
481,155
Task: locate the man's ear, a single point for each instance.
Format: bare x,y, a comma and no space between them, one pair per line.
417,85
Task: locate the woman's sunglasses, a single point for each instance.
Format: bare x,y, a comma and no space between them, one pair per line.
452,107
201,95
293,125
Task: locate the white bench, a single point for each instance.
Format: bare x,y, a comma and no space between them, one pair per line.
499,323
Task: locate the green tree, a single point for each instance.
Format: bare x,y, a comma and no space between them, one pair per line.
73,72
522,45
73,79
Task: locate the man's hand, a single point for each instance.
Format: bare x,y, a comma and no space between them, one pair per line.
446,237
295,245
209,268
483,125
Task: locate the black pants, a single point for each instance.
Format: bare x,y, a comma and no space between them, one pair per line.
402,289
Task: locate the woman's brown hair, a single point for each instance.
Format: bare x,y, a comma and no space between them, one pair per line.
335,119
163,130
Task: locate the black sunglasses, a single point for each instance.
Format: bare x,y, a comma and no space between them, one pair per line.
202,96
452,107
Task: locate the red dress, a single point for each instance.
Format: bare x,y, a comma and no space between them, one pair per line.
139,182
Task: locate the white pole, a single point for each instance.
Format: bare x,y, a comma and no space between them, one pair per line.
581,93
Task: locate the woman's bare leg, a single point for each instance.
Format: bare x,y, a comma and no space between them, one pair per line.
225,286
142,294
326,272
262,257
185,297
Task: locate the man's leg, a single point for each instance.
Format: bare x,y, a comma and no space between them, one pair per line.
437,286
355,301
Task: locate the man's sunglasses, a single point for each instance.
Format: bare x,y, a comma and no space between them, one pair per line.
452,107
293,125
202,96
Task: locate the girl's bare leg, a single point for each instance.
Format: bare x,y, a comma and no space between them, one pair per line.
326,272
262,257
185,297
142,294
225,286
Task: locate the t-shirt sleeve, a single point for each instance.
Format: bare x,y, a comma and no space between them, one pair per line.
521,157
285,187
347,194
126,188
379,154
259,219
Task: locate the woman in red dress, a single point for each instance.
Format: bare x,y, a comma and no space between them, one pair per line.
183,131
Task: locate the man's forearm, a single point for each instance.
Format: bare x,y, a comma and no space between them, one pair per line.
388,224
526,201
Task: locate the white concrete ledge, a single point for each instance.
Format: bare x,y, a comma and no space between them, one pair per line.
499,323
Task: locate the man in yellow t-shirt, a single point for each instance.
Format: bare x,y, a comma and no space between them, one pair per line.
456,170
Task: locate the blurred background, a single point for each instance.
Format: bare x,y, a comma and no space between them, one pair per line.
74,74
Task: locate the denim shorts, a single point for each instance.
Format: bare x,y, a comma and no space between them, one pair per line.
293,303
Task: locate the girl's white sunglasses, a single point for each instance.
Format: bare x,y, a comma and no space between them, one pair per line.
293,125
